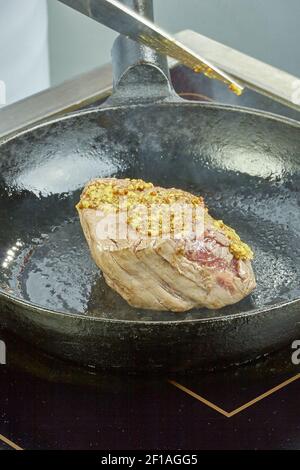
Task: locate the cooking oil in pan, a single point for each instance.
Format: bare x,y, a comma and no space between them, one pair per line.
55,270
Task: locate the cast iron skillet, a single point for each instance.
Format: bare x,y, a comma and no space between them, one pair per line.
245,163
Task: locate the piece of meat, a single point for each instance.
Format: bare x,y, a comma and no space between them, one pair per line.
160,249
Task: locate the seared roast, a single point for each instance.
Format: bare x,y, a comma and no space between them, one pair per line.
160,248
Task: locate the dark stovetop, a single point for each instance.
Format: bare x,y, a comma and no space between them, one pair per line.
47,404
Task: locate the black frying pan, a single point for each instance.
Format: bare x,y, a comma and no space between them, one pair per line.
245,163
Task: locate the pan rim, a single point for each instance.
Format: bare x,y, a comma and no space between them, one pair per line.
110,107
219,319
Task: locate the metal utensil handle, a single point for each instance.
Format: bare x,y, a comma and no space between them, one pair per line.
140,73
120,17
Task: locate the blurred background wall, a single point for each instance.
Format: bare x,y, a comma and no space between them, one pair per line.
24,65
266,29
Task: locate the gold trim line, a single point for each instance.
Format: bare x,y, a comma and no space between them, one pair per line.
230,414
9,443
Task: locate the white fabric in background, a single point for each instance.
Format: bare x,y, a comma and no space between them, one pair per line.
24,61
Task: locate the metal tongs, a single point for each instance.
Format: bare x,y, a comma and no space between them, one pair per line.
126,21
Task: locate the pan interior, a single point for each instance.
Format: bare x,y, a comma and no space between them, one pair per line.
246,167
